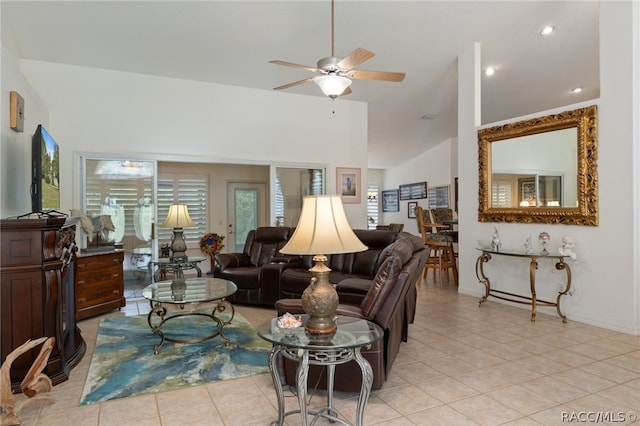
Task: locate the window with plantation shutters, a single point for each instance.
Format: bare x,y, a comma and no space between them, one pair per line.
191,190
124,193
372,206
501,193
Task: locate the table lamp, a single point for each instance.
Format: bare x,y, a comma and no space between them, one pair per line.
178,218
322,229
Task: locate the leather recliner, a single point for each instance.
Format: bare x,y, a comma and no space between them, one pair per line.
246,269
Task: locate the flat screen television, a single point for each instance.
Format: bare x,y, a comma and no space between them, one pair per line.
45,162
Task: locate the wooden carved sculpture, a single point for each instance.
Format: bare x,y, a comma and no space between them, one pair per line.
34,382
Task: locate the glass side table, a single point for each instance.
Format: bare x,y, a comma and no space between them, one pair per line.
341,347
533,267
165,264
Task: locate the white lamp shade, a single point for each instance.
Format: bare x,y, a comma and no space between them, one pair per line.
178,217
323,229
332,85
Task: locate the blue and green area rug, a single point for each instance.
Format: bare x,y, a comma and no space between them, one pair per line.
123,363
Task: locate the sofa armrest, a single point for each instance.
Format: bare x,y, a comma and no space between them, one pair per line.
231,260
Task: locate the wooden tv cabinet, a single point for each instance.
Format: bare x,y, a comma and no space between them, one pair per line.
37,294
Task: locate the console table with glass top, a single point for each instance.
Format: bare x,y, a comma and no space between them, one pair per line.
165,264
533,267
338,348
182,291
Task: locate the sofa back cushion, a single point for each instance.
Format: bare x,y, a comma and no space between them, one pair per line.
264,243
384,280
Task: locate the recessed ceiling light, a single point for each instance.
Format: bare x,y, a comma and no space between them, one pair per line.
576,90
489,71
547,30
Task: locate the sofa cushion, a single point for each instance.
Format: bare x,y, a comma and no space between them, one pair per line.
381,286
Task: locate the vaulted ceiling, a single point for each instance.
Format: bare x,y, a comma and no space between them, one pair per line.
232,42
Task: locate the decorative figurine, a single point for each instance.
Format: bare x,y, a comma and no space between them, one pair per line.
528,246
567,248
544,238
496,244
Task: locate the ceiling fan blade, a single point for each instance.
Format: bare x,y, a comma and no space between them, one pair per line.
376,75
346,91
291,64
295,83
355,58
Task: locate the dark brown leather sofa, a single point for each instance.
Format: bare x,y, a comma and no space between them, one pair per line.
384,302
264,277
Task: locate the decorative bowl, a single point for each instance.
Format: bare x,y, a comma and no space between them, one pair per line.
288,324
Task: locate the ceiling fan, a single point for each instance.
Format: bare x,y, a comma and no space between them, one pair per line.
337,73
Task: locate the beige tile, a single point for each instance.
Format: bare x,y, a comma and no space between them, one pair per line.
440,416
522,400
554,389
447,389
78,416
584,380
485,410
119,411
407,399
247,409
204,415
182,400
483,380
610,371
624,395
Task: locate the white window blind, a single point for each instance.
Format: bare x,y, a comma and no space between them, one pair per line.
188,189
372,206
501,193
121,192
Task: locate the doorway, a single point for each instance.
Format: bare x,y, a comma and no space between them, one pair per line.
246,210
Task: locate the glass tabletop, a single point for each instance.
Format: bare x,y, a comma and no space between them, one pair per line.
189,260
351,333
518,253
189,290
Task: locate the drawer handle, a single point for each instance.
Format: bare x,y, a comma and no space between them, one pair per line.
116,291
115,275
82,300
81,282
114,260
81,265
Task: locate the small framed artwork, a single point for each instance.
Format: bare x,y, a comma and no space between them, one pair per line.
413,191
439,197
411,209
348,185
390,201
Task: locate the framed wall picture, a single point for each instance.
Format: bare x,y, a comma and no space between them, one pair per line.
411,209
390,201
348,185
439,197
413,191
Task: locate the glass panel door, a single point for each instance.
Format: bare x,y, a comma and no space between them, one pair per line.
246,211
118,196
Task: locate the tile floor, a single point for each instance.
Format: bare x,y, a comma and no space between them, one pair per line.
463,365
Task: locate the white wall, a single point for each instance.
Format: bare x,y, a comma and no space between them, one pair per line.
15,149
605,277
102,111
434,167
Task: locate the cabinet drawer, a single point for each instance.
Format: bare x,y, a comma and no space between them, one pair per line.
96,296
92,263
99,278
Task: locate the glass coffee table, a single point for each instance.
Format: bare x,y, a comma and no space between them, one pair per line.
182,292
338,348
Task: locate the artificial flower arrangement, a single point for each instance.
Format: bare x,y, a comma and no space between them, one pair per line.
211,244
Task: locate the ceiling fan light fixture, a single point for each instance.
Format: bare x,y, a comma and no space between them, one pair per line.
332,85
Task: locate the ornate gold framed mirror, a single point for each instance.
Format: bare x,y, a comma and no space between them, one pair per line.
541,170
